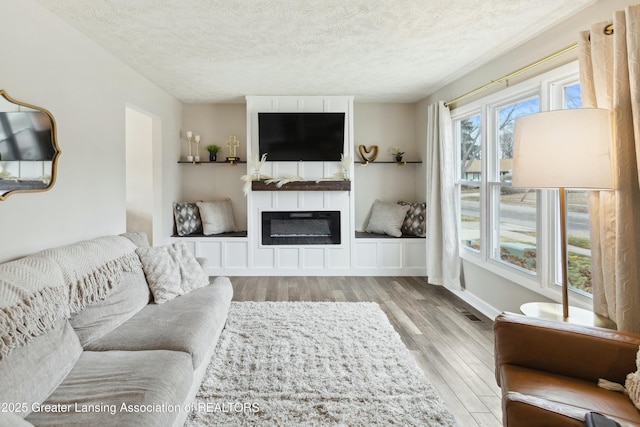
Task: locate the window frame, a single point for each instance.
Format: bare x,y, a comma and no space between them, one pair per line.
549,88
481,183
494,182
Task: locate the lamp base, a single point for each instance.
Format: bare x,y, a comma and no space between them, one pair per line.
553,311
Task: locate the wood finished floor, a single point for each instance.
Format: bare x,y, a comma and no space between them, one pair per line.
454,351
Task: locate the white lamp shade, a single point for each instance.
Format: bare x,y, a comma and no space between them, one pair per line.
563,149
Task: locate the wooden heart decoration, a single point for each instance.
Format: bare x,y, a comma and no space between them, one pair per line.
368,154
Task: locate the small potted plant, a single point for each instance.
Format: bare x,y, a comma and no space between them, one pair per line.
213,152
396,153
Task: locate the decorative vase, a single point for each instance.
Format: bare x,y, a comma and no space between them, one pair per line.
398,157
213,157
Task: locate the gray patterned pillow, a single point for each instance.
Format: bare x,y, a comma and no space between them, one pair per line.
386,218
414,223
187,217
171,271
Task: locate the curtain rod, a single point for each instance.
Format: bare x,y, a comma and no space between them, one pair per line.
513,73
608,30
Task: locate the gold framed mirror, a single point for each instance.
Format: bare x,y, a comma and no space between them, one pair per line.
28,147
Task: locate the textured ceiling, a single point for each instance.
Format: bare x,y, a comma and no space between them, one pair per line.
376,50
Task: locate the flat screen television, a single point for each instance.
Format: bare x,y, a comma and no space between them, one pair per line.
307,137
26,135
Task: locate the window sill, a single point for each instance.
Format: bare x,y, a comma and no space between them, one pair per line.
525,280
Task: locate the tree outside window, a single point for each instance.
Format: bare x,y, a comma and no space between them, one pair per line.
516,240
469,132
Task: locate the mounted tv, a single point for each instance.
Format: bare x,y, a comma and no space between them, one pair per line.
26,135
310,137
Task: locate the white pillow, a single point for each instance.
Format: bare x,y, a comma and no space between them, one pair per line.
217,217
632,384
191,272
387,218
171,271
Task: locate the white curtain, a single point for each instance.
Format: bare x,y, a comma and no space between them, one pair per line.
610,76
443,262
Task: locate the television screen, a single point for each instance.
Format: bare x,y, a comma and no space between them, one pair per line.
301,136
25,135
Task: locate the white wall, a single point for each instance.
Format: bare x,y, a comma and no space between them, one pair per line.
495,291
43,61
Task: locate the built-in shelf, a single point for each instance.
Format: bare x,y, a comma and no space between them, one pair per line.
210,163
402,163
365,235
342,185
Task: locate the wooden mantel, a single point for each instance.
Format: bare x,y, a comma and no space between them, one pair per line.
342,185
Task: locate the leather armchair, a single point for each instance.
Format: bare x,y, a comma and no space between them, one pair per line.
548,371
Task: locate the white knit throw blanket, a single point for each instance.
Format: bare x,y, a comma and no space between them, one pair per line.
38,290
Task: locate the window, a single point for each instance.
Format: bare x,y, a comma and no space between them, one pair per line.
468,132
514,231
514,241
578,239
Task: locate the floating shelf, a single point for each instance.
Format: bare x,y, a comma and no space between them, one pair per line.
342,185
402,163
210,163
364,235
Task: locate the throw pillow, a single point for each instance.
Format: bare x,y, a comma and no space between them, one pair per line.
171,271
187,216
139,238
632,384
387,218
192,274
414,222
217,217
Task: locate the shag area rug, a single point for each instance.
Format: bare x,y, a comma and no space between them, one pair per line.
314,364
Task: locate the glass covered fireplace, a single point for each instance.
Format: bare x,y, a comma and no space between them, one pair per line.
301,228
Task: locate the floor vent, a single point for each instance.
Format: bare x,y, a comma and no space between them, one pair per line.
470,316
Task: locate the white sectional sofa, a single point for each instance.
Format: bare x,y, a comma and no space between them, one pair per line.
83,343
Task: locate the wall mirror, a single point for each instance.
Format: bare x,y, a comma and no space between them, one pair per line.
28,147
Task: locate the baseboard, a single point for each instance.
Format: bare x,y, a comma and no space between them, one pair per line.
477,303
328,272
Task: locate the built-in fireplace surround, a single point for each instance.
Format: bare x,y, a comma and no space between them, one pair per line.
315,187
301,228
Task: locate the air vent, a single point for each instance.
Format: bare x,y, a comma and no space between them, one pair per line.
470,316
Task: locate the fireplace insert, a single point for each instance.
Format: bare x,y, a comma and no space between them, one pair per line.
301,228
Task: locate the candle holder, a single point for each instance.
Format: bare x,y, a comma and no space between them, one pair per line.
197,140
233,144
189,136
